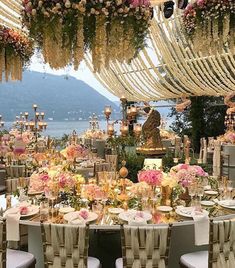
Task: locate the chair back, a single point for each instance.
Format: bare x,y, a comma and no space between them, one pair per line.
65,245
2,244
145,246
98,167
222,244
112,159
16,171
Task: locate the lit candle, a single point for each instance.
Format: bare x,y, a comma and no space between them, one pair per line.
35,106
124,129
110,129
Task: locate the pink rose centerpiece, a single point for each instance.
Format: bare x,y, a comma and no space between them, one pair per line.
151,177
186,174
92,192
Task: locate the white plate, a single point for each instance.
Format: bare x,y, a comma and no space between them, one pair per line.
91,217
164,208
207,203
211,192
32,211
187,212
225,204
115,210
130,214
65,210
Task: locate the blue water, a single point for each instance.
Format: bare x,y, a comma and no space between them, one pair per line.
57,129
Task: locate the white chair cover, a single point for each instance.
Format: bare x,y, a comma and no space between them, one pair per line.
65,245
204,157
145,246
217,158
222,244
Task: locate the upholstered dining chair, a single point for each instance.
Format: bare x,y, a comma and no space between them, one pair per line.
16,171
144,246
112,159
221,252
10,258
67,246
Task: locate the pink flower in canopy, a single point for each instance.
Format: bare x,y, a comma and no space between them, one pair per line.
201,3
137,3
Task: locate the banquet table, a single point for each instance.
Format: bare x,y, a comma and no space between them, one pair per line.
182,240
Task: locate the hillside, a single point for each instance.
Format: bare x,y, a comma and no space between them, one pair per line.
60,97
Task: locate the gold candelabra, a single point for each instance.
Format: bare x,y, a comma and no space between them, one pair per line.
35,125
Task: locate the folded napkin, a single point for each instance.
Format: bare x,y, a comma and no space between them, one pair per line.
201,228
136,221
75,218
13,225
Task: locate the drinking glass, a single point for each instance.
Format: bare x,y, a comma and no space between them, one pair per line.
229,189
44,210
192,192
200,192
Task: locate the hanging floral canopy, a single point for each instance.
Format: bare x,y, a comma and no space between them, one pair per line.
109,29
210,24
16,50
170,67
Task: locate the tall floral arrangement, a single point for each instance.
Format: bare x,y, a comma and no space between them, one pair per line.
109,29
74,151
15,52
210,24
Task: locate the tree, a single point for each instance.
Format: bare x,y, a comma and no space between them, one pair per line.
204,118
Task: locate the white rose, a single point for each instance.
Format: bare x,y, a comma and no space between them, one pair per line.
67,4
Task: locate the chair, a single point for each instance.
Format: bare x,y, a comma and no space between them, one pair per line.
144,246
66,246
112,159
10,258
16,171
221,248
3,186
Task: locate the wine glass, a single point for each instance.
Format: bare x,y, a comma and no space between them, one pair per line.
200,192
192,191
229,188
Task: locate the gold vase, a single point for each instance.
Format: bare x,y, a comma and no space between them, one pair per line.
166,199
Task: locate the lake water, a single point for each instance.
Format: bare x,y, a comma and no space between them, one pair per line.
57,129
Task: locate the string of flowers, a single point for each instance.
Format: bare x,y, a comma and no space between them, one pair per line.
16,50
109,29
210,23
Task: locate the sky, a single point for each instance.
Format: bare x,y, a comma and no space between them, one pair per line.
83,73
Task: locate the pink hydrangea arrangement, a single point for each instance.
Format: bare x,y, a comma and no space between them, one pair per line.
151,177
140,188
52,178
186,174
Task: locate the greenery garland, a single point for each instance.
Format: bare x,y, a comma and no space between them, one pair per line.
16,50
210,24
109,29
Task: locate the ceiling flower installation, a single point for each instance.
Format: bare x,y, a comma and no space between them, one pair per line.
16,50
109,29
214,20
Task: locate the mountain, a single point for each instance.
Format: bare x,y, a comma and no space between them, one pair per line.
60,97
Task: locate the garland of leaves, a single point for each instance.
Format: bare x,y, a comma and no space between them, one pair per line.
210,24
109,29
16,50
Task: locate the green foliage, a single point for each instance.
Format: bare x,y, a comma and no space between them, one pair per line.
134,163
205,118
168,161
